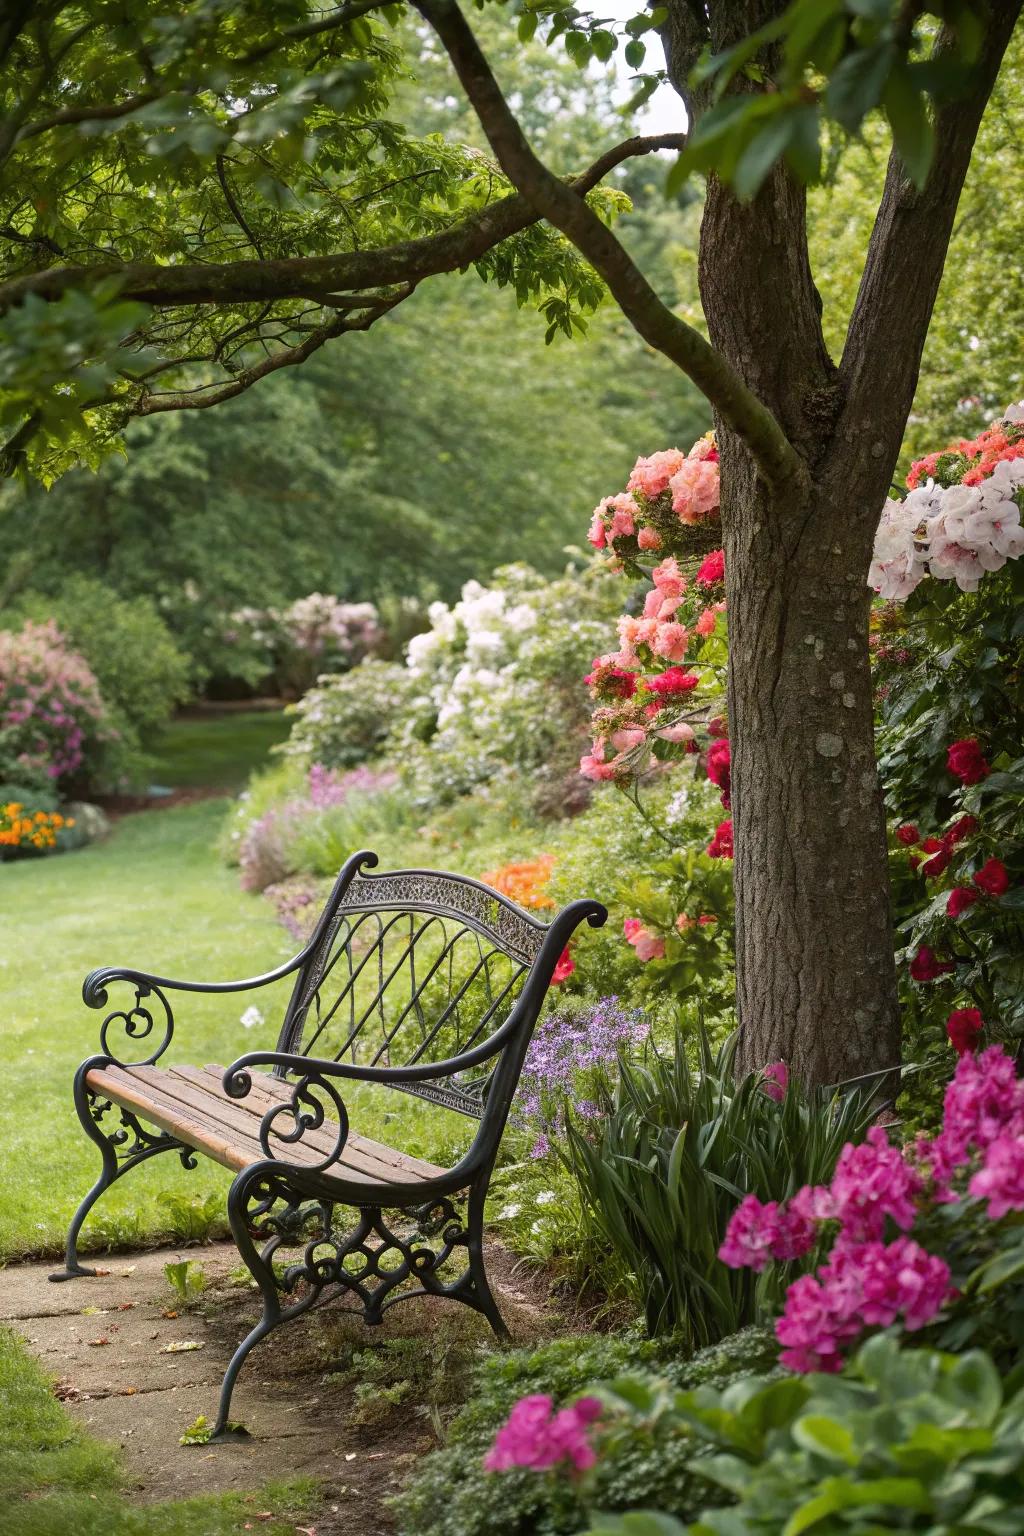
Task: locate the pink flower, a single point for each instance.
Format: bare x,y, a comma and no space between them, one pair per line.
668,578
594,767
752,1231
563,969
671,641
695,490
649,538
721,845
623,509
534,1436
706,622
966,761
992,878
961,898
679,732
871,1182
672,681
718,763
628,738
775,1078
1001,1179
704,448
648,945
596,533
985,1100
652,475
712,569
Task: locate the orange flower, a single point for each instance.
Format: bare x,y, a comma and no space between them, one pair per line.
524,882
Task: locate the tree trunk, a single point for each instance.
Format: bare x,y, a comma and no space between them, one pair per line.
815,975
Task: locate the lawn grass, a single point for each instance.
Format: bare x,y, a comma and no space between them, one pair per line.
218,751
153,896
55,1480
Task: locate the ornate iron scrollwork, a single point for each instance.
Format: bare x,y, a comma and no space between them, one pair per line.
136,1023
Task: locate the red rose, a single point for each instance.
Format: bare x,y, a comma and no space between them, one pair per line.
908,834
611,681
992,878
966,761
925,966
940,857
719,758
960,830
963,1027
720,846
712,569
960,899
674,680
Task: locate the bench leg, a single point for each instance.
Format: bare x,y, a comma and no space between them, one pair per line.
481,1295
247,1185
121,1150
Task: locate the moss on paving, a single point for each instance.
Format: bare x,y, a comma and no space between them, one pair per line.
56,1480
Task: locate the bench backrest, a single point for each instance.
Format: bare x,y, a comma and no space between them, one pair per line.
414,966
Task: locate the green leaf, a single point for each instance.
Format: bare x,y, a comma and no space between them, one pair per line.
635,52
604,44
858,84
761,154
527,26
907,110
826,1437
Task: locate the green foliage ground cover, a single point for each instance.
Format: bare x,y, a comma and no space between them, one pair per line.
54,1478
215,751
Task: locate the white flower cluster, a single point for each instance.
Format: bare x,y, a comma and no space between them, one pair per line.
954,533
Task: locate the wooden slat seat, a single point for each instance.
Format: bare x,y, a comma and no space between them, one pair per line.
190,1104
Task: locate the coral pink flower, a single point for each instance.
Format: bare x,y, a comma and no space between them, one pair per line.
534,1436
671,641
992,878
649,538
961,898
966,761
668,578
594,767
678,732
705,624
652,475
695,490
648,945
712,569
704,448
596,533
629,737
964,1027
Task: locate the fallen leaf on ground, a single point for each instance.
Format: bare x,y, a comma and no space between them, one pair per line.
90,1311
95,1343
127,1391
64,1392
168,1314
179,1346
129,1271
126,1306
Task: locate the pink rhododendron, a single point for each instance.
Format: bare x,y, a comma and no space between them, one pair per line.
1000,1180
535,1436
648,945
706,623
668,578
871,1182
652,475
670,642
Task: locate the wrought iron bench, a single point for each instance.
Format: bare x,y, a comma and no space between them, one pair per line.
425,982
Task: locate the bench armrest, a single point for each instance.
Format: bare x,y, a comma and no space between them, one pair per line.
136,1022
238,1080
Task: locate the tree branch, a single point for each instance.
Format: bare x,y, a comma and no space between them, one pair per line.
776,458
249,282
287,357
907,252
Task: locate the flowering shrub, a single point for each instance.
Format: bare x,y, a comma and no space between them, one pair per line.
524,882
963,520
318,633
670,499
30,830
871,1279
537,1437
346,718
270,846
51,712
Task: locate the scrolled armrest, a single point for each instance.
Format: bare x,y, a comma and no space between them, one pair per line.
237,1078
306,1108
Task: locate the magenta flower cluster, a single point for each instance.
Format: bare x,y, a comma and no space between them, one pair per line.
537,1437
327,787
564,1048
868,1282
266,854
50,703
